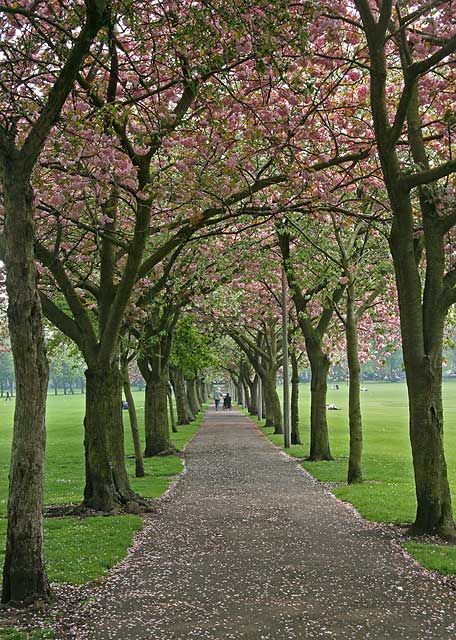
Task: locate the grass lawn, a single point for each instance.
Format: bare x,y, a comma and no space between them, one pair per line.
78,550
388,493
9,633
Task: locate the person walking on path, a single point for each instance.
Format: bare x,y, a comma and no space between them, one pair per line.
227,401
217,398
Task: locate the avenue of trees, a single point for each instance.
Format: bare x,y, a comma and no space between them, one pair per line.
160,164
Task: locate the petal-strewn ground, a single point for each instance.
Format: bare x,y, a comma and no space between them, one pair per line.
250,547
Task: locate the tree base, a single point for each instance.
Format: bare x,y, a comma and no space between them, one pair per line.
169,451
82,510
319,458
446,533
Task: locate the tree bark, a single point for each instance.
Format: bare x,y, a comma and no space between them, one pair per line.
295,435
423,302
253,386
139,463
423,368
272,402
240,392
107,487
199,392
156,416
171,410
319,438
184,415
354,405
247,399
194,405
24,575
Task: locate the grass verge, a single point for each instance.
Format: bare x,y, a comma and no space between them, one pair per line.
388,492
79,550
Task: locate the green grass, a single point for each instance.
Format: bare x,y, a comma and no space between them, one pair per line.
82,549
388,493
65,453
79,550
441,558
15,634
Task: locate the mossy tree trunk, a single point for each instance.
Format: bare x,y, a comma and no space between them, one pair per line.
184,414
253,388
425,290
154,368
271,400
190,385
107,486
24,575
319,437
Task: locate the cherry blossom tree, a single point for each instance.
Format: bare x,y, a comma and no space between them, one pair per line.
408,51
42,50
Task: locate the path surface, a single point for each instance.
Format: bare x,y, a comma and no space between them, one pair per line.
249,547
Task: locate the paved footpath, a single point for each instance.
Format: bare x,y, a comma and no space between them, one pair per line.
249,547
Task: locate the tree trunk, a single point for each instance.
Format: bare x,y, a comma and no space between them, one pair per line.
434,513
107,487
319,439
295,435
272,403
240,392
55,387
199,392
246,396
139,463
191,396
421,301
171,410
156,416
184,415
354,405
422,326
24,575
253,385
202,391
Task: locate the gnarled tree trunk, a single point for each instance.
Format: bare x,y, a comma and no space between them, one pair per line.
24,576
